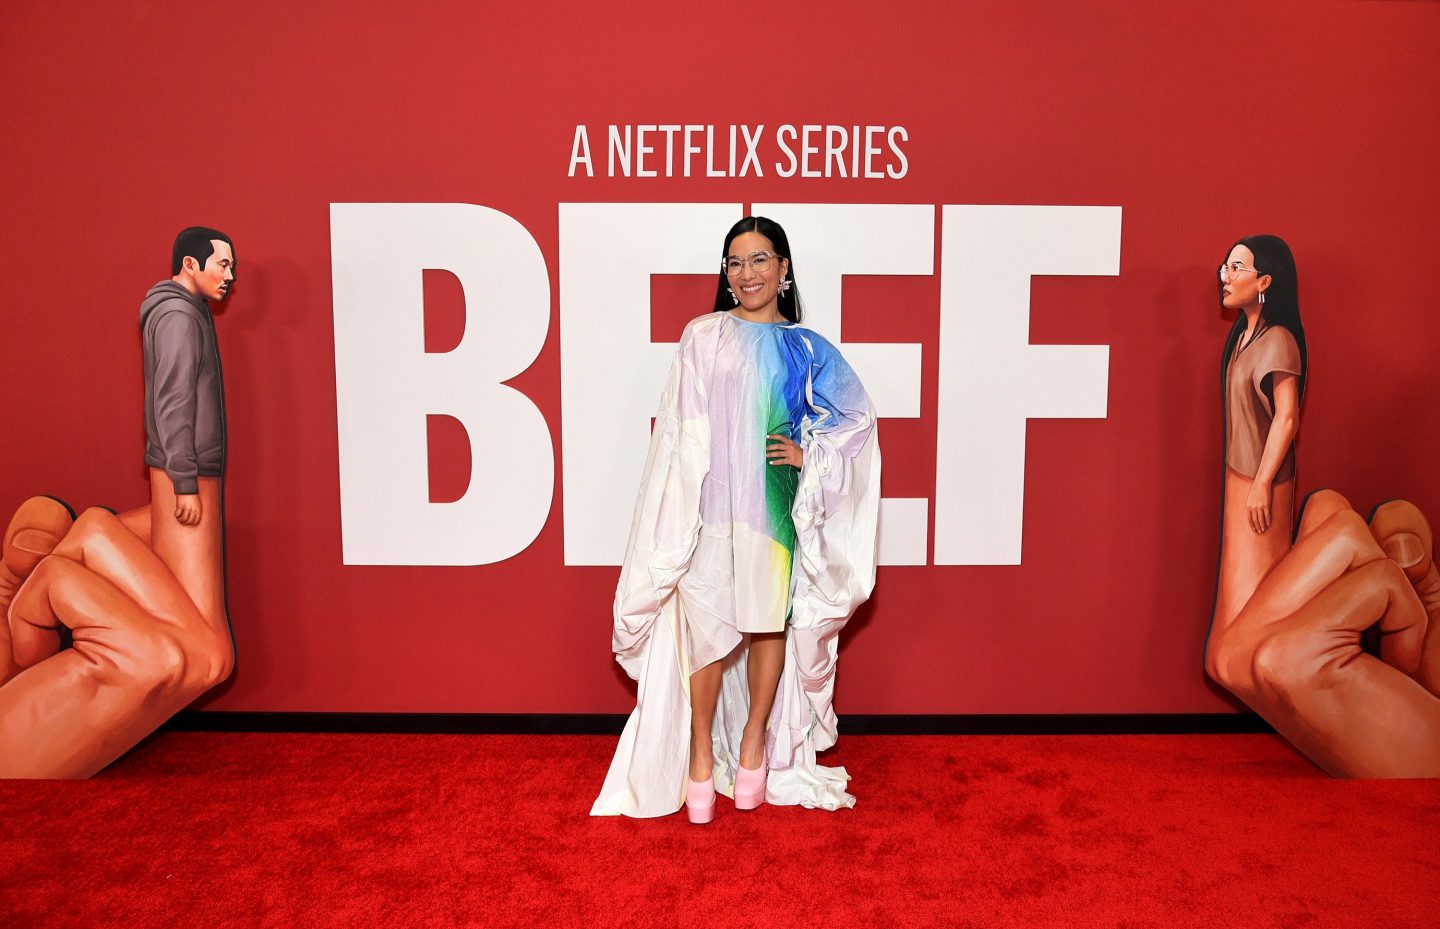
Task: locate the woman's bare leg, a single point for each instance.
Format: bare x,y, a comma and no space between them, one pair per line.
764,662
704,692
1339,544
1246,556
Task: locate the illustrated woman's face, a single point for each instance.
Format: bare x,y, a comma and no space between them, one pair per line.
1241,285
756,280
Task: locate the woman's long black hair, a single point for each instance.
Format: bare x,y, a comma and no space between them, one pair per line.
1282,299
789,303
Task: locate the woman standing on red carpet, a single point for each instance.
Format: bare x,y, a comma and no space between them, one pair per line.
752,544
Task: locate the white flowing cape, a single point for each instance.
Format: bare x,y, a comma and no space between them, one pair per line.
835,513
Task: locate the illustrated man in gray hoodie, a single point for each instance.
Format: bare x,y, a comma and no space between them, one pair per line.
185,416
184,392
142,592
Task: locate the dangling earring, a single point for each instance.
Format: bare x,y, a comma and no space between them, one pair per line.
731,292
1262,298
784,287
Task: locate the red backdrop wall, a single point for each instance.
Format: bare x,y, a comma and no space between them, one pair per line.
1319,122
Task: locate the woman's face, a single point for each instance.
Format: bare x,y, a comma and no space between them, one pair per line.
1243,285
757,290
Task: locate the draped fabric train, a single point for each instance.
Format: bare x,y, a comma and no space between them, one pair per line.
834,514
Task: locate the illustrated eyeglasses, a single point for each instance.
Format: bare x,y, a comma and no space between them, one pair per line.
1226,272
759,262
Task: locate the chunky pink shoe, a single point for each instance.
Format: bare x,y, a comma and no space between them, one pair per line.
749,786
700,800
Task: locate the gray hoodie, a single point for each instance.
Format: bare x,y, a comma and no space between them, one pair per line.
184,389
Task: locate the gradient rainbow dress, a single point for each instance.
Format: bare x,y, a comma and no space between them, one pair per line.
724,543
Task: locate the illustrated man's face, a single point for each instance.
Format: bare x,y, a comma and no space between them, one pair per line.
213,281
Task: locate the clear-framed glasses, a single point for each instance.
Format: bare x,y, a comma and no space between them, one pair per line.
759,262
1226,272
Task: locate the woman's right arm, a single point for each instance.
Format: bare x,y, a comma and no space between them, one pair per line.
1283,427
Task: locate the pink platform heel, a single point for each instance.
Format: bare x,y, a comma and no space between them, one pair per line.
700,800
750,786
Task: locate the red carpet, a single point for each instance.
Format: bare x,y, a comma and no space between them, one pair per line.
223,829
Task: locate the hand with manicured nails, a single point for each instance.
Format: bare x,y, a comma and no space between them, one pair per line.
782,451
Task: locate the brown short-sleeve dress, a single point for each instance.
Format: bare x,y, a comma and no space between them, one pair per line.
1248,408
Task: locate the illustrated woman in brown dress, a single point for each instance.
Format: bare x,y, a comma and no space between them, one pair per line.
1264,377
1286,632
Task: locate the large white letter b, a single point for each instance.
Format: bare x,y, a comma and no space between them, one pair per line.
386,384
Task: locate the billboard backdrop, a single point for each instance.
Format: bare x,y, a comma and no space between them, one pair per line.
449,326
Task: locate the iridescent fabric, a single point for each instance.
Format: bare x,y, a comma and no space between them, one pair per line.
725,543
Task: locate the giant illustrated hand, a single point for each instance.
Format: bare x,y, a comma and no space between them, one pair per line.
1294,652
141,649
1354,715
